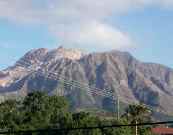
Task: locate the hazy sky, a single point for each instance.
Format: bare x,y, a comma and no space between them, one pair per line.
142,27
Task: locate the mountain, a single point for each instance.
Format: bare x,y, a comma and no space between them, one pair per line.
90,80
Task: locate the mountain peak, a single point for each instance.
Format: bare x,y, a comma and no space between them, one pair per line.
61,52
114,72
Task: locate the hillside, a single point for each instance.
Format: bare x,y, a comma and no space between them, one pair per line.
100,75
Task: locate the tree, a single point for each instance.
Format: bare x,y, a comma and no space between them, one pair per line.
43,111
36,110
9,115
39,110
137,113
119,130
58,110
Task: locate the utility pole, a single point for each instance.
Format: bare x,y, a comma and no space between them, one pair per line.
118,108
136,128
117,105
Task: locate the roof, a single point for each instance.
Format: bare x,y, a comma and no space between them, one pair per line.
162,130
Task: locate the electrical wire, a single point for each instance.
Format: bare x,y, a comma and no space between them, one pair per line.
57,130
57,76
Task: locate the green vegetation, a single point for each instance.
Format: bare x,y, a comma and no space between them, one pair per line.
138,113
40,111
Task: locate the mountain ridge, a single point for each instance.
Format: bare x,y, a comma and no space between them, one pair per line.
115,71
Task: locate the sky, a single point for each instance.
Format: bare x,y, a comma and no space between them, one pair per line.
142,27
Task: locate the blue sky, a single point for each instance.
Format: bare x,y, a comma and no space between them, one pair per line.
152,31
142,28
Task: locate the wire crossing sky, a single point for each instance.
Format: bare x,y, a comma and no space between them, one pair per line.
142,27
63,79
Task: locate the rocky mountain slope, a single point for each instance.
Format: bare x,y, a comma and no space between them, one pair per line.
87,80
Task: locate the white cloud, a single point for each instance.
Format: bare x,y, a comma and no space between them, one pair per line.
78,22
94,34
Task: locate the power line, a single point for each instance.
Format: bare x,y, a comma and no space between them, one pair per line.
87,128
39,67
75,83
59,77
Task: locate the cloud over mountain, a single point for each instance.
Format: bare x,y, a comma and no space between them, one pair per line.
77,22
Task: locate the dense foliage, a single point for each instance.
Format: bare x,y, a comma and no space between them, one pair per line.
40,111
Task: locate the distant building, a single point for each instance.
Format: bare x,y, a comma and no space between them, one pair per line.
162,131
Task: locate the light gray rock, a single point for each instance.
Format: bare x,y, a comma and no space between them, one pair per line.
117,71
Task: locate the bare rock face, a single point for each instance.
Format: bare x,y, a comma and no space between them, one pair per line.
98,76
72,54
